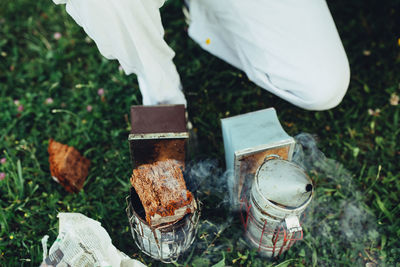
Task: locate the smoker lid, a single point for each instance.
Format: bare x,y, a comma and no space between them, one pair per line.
158,119
284,183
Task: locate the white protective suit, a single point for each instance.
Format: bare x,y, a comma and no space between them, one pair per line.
288,47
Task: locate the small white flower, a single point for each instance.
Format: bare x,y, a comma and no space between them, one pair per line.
57,36
366,52
49,101
394,99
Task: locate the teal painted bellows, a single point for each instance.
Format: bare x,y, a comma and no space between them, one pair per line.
249,140
250,131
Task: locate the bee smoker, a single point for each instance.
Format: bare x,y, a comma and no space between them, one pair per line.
159,133
270,191
280,192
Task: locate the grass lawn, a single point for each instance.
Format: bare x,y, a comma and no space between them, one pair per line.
354,218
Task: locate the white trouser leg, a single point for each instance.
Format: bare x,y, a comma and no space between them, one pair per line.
131,31
288,47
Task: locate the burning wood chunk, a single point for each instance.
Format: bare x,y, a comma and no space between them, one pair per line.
162,191
67,166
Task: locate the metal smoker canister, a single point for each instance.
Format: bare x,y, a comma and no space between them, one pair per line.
279,194
165,243
159,133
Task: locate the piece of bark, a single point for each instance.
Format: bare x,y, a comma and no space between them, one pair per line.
162,191
67,166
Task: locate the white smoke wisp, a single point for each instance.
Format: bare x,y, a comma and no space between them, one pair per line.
213,187
206,179
338,221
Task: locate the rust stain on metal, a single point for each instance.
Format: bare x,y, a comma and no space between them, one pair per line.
250,164
151,151
171,149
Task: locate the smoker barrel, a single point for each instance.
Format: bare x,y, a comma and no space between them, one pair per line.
166,242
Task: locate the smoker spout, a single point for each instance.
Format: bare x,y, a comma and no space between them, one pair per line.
284,183
309,188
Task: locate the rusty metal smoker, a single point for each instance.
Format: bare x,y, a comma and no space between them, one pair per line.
159,133
271,192
279,194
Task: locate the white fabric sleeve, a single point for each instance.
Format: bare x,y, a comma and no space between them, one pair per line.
131,31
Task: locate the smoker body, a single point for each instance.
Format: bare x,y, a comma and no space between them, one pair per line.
269,225
165,243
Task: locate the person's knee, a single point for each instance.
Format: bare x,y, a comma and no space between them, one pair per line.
324,88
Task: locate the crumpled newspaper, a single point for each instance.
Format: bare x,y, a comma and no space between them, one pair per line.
82,241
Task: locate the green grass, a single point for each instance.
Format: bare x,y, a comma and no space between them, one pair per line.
34,66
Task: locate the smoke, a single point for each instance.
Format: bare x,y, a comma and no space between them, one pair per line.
208,181
338,222
214,188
